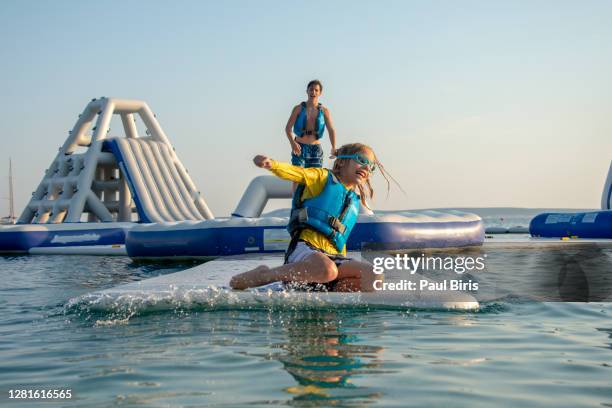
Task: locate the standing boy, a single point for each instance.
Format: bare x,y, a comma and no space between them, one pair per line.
306,126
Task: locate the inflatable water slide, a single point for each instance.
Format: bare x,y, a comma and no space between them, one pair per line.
130,194
98,187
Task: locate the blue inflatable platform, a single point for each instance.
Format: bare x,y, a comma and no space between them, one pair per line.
234,236
596,224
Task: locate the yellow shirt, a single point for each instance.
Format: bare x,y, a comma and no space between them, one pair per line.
314,180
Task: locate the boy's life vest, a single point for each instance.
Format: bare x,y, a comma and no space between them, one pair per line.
333,213
299,128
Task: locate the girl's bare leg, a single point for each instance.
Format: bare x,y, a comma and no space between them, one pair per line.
316,268
355,276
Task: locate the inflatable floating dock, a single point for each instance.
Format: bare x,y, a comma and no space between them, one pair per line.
592,224
130,194
234,236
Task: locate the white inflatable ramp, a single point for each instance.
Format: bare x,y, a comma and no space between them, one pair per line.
160,186
205,287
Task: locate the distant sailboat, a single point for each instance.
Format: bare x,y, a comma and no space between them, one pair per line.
10,219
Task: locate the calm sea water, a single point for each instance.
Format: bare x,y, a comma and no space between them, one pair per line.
515,351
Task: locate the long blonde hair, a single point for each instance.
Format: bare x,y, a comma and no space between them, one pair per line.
365,190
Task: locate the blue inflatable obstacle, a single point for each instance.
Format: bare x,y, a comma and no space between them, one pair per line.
238,235
596,224
590,224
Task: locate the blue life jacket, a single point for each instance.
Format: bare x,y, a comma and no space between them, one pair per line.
299,128
333,213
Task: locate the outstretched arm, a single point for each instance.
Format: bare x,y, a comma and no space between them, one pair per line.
331,129
313,178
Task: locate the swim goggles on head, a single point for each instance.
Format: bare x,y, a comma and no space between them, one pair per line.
360,160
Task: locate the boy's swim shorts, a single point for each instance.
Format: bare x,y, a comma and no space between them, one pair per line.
311,156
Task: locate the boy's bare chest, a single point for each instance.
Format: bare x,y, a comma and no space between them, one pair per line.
311,115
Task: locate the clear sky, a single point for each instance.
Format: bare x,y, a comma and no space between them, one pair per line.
471,103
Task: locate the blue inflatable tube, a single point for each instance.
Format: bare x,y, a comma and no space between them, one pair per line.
235,236
596,224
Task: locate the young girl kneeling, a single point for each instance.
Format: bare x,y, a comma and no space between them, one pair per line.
324,211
